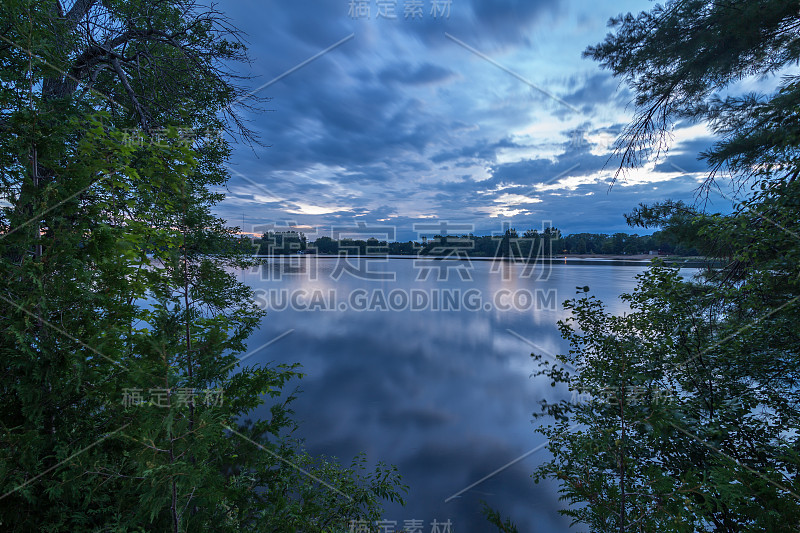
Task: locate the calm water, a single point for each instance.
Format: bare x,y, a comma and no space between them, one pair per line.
439,386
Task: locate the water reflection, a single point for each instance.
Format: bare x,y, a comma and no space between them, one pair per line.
445,395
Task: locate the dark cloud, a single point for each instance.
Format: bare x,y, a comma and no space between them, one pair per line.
392,115
415,75
599,88
489,23
685,156
483,151
510,16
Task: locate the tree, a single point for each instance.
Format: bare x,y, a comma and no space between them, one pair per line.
721,452
124,406
661,432
679,57
282,242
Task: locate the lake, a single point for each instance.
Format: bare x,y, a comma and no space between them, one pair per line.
425,364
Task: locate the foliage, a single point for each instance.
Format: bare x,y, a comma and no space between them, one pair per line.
494,518
680,57
123,403
684,414
668,428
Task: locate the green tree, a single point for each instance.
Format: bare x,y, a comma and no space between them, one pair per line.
115,283
282,243
702,434
662,431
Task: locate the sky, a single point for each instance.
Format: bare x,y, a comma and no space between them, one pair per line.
472,112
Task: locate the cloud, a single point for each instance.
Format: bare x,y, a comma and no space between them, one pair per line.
484,151
684,156
596,89
402,116
425,73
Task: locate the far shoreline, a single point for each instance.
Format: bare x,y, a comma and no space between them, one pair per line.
641,259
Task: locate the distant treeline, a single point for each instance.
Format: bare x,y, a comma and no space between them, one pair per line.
510,244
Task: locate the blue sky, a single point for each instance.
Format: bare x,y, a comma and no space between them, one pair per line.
484,115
